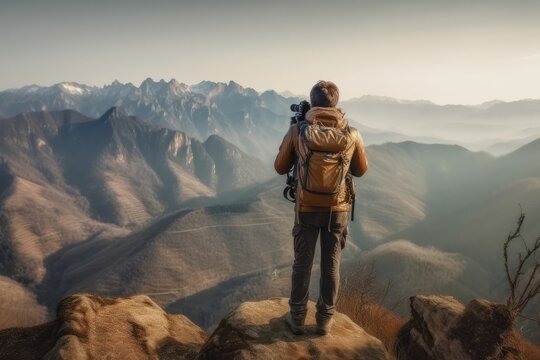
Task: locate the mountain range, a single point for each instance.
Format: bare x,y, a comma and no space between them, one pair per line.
255,122
496,126
65,177
117,204
244,117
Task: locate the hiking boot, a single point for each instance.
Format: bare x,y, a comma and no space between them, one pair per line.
323,326
296,326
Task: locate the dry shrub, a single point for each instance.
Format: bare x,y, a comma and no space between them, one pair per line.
375,319
520,348
524,285
360,299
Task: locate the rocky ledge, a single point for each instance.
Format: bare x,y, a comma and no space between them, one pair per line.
91,327
442,328
256,330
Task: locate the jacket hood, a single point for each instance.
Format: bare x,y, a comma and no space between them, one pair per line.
327,116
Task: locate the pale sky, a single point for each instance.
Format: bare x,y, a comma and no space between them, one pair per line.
445,51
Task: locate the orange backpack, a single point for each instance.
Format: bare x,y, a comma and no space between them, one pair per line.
322,164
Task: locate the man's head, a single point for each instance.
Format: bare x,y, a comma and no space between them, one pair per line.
324,94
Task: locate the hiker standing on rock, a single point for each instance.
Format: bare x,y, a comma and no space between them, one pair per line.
320,153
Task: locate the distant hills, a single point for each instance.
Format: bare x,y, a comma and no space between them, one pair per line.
448,197
453,207
255,122
496,126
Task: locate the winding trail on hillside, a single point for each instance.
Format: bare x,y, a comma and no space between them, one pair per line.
229,225
260,271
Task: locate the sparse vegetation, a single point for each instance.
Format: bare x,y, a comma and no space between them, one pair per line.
523,348
360,299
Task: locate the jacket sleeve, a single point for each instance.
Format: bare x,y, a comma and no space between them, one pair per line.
359,163
285,157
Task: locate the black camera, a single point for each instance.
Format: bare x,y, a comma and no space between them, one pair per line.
300,111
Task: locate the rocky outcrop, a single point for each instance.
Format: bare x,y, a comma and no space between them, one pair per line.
441,328
89,327
92,327
256,330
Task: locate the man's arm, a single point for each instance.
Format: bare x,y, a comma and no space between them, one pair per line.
359,163
285,157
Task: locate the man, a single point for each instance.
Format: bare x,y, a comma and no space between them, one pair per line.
313,214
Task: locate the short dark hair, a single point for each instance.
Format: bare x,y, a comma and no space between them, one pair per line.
324,94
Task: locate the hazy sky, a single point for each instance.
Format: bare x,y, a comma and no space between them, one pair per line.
446,51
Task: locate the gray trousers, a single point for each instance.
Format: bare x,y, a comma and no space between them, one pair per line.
306,232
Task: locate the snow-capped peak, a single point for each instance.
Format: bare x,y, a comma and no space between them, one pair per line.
73,89
31,88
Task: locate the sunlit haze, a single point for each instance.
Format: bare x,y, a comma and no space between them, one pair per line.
447,52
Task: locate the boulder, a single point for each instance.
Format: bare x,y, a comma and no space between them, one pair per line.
256,330
92,327
442,328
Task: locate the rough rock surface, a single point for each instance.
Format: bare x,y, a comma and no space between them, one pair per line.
442,328
256,330
91,327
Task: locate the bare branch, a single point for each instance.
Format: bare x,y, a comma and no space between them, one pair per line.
512,236
527,270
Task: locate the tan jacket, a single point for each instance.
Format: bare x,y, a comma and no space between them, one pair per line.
331,117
